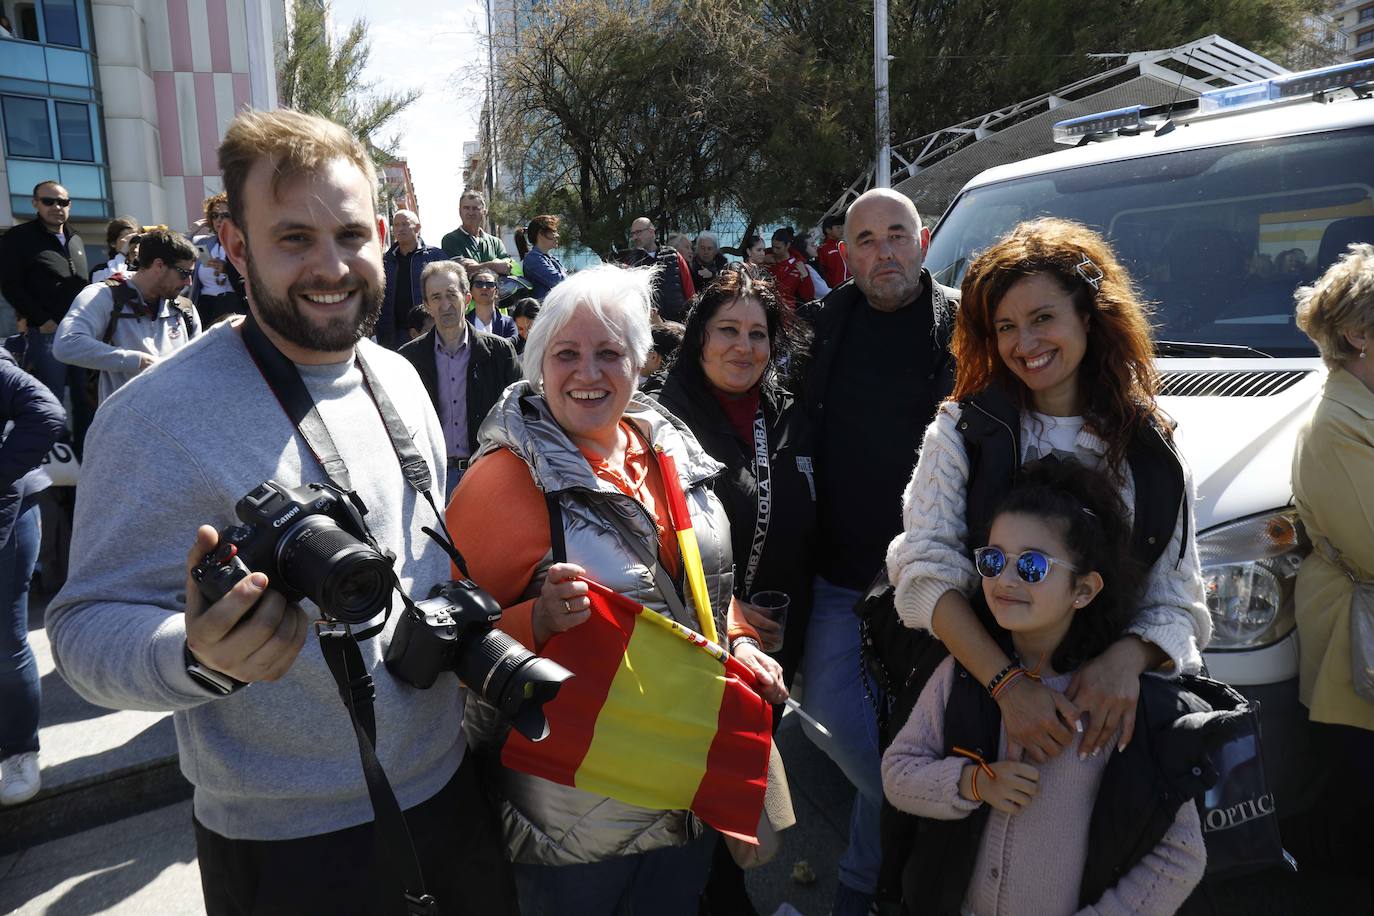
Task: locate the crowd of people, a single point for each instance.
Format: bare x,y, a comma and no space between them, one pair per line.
828,414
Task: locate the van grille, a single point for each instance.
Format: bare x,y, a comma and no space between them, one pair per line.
1229,383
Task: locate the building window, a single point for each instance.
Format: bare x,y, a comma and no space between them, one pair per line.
1367,14
74,131
27,131
1364,38
61,23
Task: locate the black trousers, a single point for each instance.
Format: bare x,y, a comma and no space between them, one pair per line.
456,837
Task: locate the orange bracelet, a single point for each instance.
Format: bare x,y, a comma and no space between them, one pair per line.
1009,679
973,785
981,766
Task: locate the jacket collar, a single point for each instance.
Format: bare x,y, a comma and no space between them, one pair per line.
521,422
1345,389
395,249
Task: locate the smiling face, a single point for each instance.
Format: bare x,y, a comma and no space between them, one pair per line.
887,247
314,264
589,376
735,353
1041,337
1042,610
757,253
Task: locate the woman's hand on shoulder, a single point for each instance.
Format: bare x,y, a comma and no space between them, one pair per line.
562,603
766,670
1107,690
1039,721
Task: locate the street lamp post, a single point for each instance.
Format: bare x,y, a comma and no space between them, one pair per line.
882,169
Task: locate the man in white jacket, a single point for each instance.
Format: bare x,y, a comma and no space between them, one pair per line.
122,326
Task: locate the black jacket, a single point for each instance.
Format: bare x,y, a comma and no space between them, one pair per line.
786,562
1165,766
669,297
491,367
37,275
39,421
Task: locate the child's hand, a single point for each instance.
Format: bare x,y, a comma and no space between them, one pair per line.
1016,784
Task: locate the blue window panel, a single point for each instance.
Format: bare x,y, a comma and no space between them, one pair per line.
83,180
22,60
89,209
74,131
27,130
70,67
62,25
24,175
79,93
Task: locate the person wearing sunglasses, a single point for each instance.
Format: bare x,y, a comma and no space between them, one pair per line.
42,268
1054,356
217,289
482,313
1004,835
542,269
122,326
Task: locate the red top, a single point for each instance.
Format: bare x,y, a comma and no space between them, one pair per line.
793,281
740,410
834,265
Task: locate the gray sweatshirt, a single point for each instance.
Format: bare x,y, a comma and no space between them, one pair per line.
176,448
80,336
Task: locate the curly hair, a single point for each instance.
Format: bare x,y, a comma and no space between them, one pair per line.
1086,508
1117,381
733,283
1342,299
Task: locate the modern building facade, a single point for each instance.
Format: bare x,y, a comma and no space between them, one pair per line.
1356,19
125,101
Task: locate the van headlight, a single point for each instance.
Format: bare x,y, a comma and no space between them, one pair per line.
1248,572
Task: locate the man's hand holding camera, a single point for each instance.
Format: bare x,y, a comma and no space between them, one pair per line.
252,633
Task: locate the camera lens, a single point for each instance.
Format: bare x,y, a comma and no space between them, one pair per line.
349,580
511,678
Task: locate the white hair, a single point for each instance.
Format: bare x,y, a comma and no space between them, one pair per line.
620,298
883,194
707,234
414,217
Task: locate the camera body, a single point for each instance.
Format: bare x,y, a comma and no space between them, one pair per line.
453,631
310,541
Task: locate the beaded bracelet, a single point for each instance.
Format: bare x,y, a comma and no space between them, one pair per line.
1008,681
1002,677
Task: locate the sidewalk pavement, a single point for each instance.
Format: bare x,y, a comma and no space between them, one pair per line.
111,830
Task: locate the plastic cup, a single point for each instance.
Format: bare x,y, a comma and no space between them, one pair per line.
774,604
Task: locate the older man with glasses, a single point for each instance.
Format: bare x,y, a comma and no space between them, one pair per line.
42,268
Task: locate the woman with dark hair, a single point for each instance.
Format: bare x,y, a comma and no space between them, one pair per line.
1054,356
724,384
542,269
523,313
755,250
117,235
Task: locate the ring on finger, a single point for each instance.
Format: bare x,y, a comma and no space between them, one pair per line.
566,606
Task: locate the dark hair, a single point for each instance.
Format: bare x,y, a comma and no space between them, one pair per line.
525,308
667,338
834,219
734,282
52,181
784,234
538,225
1117,381
522,244
117,227
750,241
1085,505
165,244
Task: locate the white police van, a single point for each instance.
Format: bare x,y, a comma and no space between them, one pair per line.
1220,208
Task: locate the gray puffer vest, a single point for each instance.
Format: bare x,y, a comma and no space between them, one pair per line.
546,823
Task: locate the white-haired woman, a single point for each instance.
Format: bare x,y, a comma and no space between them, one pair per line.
576,429
1333,468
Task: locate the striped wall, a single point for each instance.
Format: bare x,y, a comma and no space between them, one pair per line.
208,59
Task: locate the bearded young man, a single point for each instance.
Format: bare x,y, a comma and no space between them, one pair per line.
282,814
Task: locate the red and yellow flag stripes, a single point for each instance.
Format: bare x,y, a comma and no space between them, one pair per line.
657,716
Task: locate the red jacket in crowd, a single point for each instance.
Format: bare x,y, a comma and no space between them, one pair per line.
834,267
793,281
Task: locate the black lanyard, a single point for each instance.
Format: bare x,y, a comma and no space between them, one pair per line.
338,644
763,501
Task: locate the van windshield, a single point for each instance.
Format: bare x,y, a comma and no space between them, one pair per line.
1218,238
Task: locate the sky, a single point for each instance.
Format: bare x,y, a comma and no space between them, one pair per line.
441,53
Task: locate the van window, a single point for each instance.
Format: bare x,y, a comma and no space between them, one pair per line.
1218,238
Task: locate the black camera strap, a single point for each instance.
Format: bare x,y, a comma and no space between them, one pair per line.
338,643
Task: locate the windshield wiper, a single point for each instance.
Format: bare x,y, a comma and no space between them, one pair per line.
1201,348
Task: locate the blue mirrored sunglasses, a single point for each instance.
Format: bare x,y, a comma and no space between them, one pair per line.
1032,566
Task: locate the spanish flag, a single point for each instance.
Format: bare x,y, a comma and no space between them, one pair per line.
657,716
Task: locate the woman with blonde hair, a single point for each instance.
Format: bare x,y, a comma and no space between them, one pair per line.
1333,470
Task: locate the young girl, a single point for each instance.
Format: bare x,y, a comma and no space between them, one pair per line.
1099,833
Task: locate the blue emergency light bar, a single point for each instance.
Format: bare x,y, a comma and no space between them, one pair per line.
1358,76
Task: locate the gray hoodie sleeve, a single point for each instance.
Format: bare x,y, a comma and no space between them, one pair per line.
79,342
116,628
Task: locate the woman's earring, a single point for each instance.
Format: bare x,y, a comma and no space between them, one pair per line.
1362,352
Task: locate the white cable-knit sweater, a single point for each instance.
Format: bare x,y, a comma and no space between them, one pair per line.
932,555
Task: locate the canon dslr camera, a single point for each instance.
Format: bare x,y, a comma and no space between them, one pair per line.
310,542
452,631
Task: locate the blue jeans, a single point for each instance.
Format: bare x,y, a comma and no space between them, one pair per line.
61,378
664,882
834,694
20,690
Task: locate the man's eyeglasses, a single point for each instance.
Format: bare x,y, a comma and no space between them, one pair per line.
186,272
1032,566
483,284
54,201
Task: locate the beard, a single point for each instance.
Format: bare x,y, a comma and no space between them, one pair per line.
338,334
